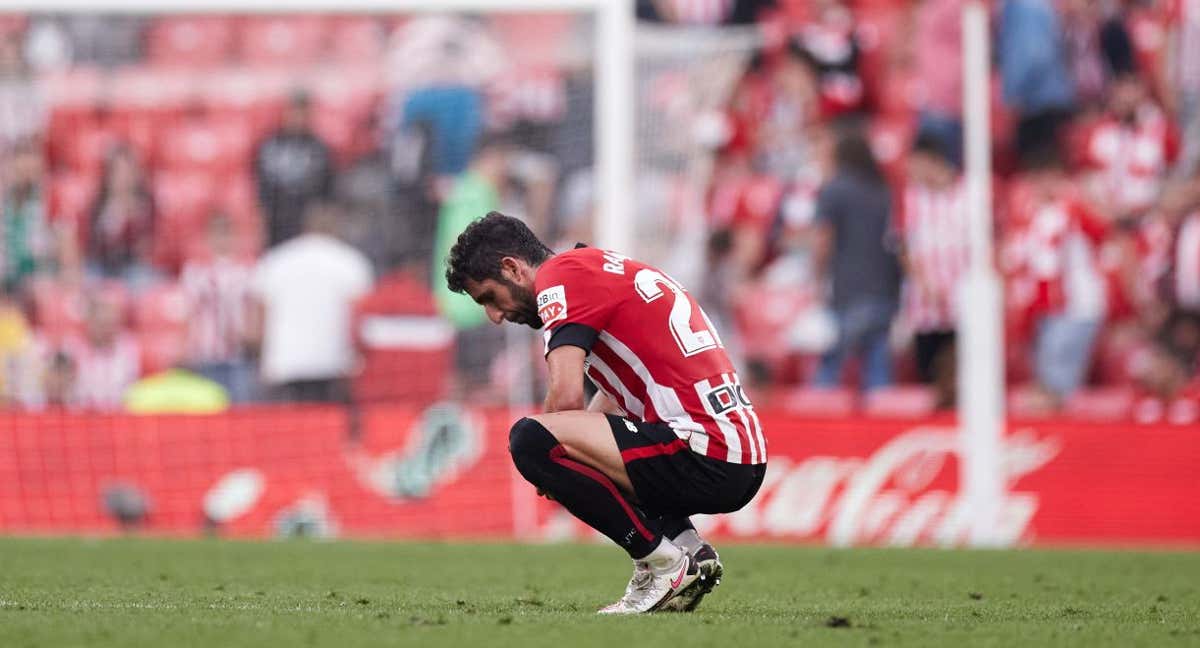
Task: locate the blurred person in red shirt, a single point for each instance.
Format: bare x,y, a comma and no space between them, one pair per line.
1056,292
217,286
932,221
1127,150
119,238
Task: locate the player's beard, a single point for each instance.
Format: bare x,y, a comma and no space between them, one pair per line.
526,312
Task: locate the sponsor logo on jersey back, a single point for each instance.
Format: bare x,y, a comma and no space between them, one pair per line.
552,304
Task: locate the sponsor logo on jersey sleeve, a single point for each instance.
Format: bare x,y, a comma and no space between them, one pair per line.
552,304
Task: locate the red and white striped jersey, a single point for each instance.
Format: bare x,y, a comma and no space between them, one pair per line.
1128,162
103,375
1049,257
933,226
651,349
218,293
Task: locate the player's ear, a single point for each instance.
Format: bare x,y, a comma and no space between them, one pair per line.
510,268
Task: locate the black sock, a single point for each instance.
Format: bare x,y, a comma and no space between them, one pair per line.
585,491
671,526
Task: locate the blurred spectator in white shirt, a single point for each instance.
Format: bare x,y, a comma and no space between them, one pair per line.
305,289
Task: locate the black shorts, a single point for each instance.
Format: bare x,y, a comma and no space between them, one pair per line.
669,479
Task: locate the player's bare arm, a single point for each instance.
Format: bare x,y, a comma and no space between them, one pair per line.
565,390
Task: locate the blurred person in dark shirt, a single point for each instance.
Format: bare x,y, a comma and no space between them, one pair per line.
855,247
121,224
293,167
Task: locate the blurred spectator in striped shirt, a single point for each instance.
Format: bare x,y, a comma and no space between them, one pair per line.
933,227
1056,290
107,357
218,289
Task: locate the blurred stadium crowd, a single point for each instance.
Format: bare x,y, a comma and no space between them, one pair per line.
266,201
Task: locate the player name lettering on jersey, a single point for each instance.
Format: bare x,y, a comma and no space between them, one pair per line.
552,304
614,263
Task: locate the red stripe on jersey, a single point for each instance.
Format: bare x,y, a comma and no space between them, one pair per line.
629,379
656,450
602,383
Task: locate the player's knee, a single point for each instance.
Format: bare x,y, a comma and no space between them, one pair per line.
529,442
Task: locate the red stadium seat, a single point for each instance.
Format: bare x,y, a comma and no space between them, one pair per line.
162,308
255,97
812,401
58,310
357,39
160,316
284,41
212,146
183,196
407,347
85,151
191,41
900,401
162,350
71,196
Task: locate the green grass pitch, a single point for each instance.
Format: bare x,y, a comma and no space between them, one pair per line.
168,593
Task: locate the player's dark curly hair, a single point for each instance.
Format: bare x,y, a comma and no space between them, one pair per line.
477,253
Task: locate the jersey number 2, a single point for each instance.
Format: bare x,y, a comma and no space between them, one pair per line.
649,284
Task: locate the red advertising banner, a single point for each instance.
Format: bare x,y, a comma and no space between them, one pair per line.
445,473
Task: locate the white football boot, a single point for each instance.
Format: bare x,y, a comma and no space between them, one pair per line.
711,571
650,589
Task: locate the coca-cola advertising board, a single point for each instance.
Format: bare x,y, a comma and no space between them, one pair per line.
444,473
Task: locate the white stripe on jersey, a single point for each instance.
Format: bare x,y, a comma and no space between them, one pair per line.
753,425
664,399
733,441
631,403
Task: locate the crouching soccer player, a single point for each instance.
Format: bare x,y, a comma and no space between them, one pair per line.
670,432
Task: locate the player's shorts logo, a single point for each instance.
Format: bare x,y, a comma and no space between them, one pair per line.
552,304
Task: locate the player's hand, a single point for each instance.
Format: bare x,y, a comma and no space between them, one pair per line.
542,493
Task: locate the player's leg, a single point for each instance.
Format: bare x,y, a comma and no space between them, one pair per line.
565,456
